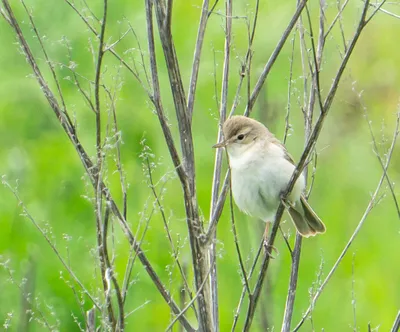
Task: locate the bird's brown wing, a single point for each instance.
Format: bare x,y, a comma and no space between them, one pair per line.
307,223
288,157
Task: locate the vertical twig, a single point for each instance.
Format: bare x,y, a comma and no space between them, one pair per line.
199,252
308,117
289,95
218,157
273,57
120,325
236,240
196,58
99,170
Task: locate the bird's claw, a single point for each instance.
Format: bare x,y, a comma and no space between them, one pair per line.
286,203
269,248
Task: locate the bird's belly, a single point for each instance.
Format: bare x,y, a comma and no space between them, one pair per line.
257,188
253,195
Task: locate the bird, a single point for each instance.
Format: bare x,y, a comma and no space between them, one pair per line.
261,169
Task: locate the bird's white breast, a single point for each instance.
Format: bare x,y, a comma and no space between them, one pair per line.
260,173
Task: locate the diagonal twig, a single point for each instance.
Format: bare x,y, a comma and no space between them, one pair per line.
370,206
303,160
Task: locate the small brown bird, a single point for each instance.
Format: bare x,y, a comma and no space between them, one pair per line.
261,170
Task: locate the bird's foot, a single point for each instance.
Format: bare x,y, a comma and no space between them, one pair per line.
268,249
286,203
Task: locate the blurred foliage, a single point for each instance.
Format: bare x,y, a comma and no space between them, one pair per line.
40,162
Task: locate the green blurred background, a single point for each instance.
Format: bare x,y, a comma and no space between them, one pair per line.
38,159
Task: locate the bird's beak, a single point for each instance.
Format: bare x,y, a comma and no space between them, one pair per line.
220,145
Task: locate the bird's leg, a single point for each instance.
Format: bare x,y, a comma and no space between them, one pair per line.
266,233
266,242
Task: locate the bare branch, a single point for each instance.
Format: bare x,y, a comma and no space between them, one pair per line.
236,240
200,264
376,150
2,12
113,52
384,10
52,246
121,322
303,160
338,17
370,206
196,59
396,323
161,209
218,154
156,97
289,95
98,175
274,56
353,294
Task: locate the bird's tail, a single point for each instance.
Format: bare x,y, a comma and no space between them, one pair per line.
307,223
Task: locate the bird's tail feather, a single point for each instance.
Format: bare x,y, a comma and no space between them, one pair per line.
307,223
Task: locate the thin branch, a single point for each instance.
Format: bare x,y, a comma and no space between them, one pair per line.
353,294
221,200
113,52
27,297
289,95
199,253
246,64
120,302
3,13
274,56
48,61
206,238
316,89
338,16
196,58
52,246
385,11
303,160
218,156
191,302
236,240
396,323
252,269
109,47
156,97
117,134
377,8
294,272
133,254
99,170
370,206
308,117
161,209
71,67
376,150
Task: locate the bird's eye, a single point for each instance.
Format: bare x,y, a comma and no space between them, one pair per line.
240,137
